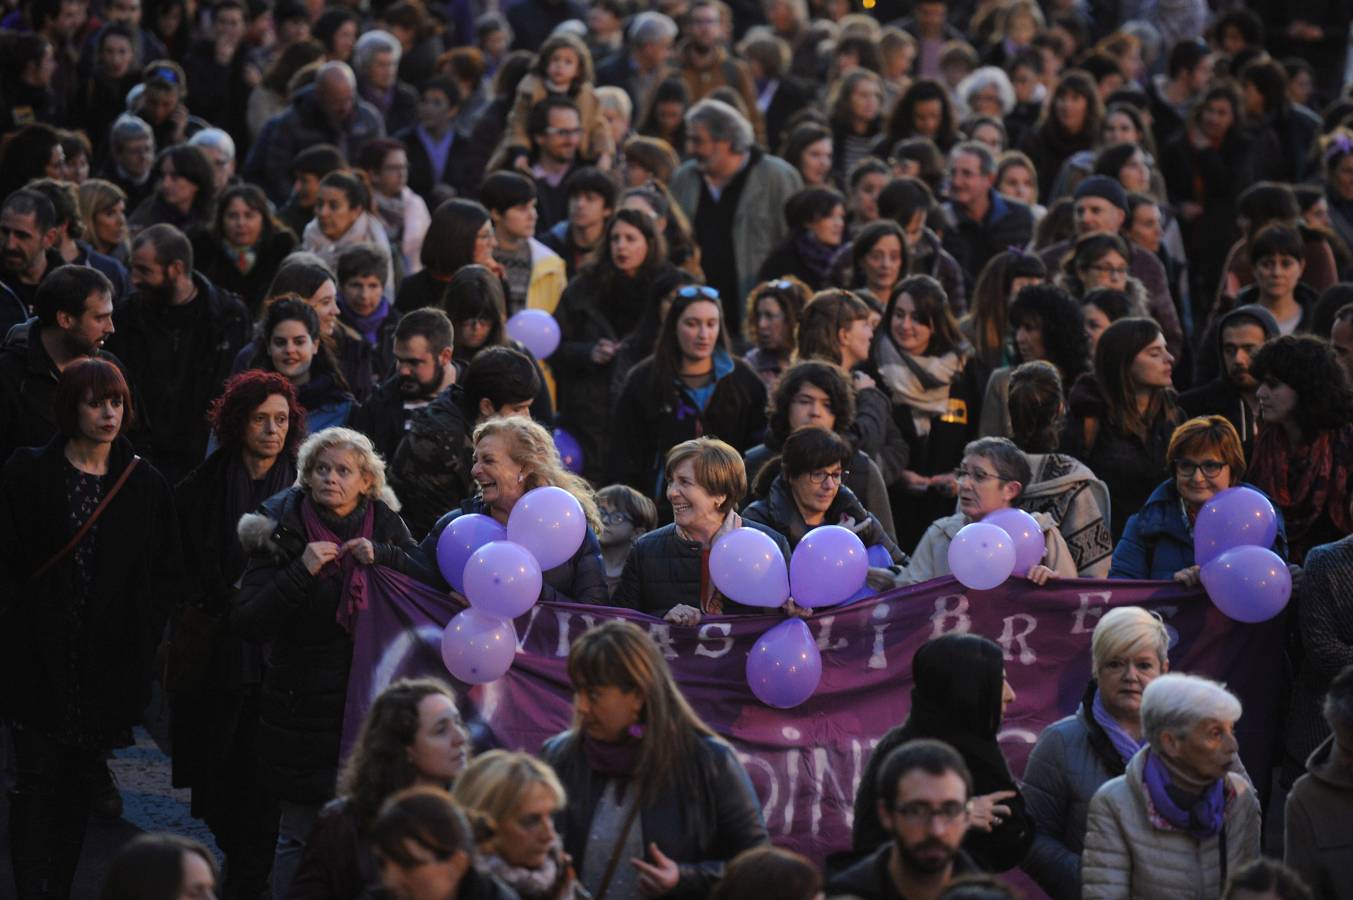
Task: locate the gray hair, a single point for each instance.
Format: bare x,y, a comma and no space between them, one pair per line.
1008,460
368,460
215,139
129,128
1176,703
985,159
985,77
373,42
723,122
340,68
650,27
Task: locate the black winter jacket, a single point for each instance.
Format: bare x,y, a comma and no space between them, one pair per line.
211,259
972,244
664,569
708,814
870,879
430,470
777,510
382,419
307,654
138,567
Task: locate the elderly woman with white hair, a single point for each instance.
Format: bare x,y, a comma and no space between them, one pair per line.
310,552
986,92
1077,755
375,61
1178,820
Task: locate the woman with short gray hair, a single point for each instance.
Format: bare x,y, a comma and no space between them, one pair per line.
1177,821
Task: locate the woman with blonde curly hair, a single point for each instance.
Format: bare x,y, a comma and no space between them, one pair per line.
513,456
310,552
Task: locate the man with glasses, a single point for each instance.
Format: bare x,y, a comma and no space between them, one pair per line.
555,128
1102,208
923,789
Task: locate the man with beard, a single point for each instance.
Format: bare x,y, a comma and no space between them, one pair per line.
1240,333
178,334
923,789
74,318
423,369
27,255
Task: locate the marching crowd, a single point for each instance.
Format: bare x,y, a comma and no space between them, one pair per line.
894,268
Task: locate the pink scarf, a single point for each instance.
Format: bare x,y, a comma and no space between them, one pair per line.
354,595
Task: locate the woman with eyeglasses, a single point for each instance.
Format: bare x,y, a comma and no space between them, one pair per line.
992,476
1205,457
1100,261
960,696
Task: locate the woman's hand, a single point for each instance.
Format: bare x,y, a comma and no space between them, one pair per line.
880,579
603,351
946,484
495,267
861,380
1188,577
681,614
987,811
318,554
1040,574
793,609
915,482
658,877
361,549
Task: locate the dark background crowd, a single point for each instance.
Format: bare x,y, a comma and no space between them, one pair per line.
893,267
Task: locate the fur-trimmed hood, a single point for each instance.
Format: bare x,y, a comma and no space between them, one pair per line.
273,528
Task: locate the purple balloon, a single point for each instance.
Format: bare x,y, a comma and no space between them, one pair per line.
981,556
784,667
502,579
570,451
460,540
1235,517
536,330
1248,584
828,566
747,567
549,522
879,557
477,647
1024,531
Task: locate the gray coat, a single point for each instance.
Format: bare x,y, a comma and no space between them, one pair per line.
1128,856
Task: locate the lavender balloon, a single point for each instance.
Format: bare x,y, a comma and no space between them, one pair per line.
784,667
1235,517
747,567
1024,531
570,451
828,566
1248,584
459,540
981,556
477,647
502,579
879,557
536,330
549,522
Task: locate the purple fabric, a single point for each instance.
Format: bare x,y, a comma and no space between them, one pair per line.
612,760
356,578
806,763
1203,820
1126,745
369,326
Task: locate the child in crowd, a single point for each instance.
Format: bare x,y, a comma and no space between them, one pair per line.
625,515
363,306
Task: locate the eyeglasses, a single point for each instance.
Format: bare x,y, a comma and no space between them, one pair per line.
976,476
923,813
821,476
691,291
1111,271
613,517
563,132
1187,468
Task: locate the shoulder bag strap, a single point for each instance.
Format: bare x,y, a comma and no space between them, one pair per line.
619,849
89,523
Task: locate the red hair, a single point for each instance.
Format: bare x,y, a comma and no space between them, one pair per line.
89,380
244,393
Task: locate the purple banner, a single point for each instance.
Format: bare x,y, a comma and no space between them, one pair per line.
806,762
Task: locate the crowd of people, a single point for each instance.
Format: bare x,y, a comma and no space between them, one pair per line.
893,268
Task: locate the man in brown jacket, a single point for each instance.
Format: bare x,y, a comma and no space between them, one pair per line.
704,63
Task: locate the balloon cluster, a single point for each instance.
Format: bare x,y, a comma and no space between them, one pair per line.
499,570
827,567
1245,579
984,554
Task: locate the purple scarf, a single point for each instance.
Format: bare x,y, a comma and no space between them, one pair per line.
355,577
1203,820
612,760
1126,745
369,326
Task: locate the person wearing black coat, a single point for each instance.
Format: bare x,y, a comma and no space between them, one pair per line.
212,259
78,624
296,599
1232,392
817,224
959,696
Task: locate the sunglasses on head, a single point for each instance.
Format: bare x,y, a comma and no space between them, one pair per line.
691,291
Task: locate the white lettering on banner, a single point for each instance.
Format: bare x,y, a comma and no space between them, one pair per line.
1018,734
944,612
1167,613
395,652
824,635
877,658
792,793
530,623
1084,611
661,633
824,775
708,631
750,762
780,808
1008,636
564,617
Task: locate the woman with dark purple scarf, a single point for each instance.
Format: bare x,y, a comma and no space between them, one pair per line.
1178,821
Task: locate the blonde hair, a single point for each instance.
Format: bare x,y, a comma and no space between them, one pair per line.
611,97
718,467
532,448
96,195
497,782
368,460
1126,630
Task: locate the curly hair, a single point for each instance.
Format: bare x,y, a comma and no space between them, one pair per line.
1062,322
229,413
822,375
791,295
356,443
530,446
1308,366
379,765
